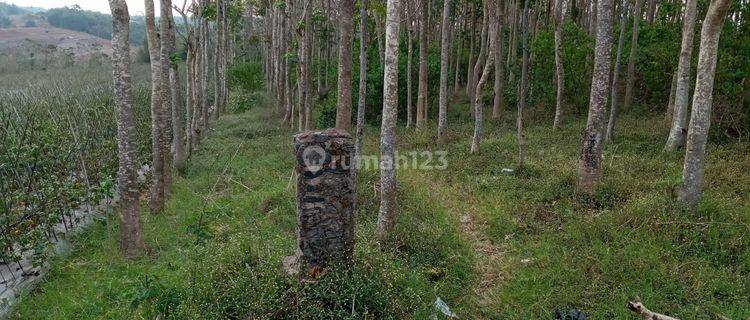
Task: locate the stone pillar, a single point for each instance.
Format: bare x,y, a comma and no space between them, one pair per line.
325,198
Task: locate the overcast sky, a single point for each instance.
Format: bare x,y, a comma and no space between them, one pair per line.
135,7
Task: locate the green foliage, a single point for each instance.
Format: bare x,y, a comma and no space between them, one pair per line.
246,76
326,112
4,22
57,147
94,23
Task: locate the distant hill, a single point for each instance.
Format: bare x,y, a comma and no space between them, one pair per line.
71,18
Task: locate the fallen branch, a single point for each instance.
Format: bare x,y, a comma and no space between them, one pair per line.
640,309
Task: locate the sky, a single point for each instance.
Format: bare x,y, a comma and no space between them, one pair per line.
136,7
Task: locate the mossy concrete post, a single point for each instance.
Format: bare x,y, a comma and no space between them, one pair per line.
325,198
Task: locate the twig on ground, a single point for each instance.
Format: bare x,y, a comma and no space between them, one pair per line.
640,309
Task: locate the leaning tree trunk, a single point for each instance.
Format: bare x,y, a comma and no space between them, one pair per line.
156,201
558,64
131,229
633,55
589,165
488,67
346,42
700,119
358,143
444,47
679,117
616,76
388,207
422,88
482,57
522,86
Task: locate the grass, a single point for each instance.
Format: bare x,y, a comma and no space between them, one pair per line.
491,244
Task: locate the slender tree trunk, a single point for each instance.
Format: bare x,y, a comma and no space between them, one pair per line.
512,53
558,64
388,206
156,203
131,229
498,105
522,86
346,42
422,88
165,63
362,93
308,65
633,55
409,73
589,165
679,128
693,172
379,36
670,104
472,41
178,115
616,76
651,13
444,52
481,59
492,17
459,47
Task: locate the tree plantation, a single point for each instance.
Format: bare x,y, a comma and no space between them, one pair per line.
375,159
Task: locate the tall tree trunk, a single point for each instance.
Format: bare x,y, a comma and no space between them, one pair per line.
346,42
633,55
498,105
459,47
358,144
700,119
409,73
178,115
307,15
616,76
423,43
388,206
156,201
589,165
679,118
522,86
558,64
379,36
165,63
670,104
512,53
131,229
482,57
444,48
492,16
651,13
472,45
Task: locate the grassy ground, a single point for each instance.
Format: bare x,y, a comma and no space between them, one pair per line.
492,244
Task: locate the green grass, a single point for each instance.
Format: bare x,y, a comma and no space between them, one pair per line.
216,248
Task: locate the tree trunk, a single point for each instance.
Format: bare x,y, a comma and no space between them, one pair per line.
379,36
472,45
156,203
444,47
492,17
700,119
513,45
409,73
388,207
498,106
558,64
307,16
131,229
589,165
358,143
616,76
522,86
459,47
670,105
178,115
346,42
651,13
165,62
482,57
682,90
633,55
422,88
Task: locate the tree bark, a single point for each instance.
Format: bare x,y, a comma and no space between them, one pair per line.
346,42
156,201
616,76
482,57
444,48
307,74
131,229
492,16
633,55
558,64
358,143
670,105
178,113
700,119
409,73
498,106
422,88
679,118
589,165
522,86
388,206
165,63
472,45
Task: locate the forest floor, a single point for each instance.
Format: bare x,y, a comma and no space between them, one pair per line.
491,243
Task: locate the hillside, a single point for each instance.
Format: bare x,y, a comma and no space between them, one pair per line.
49,47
